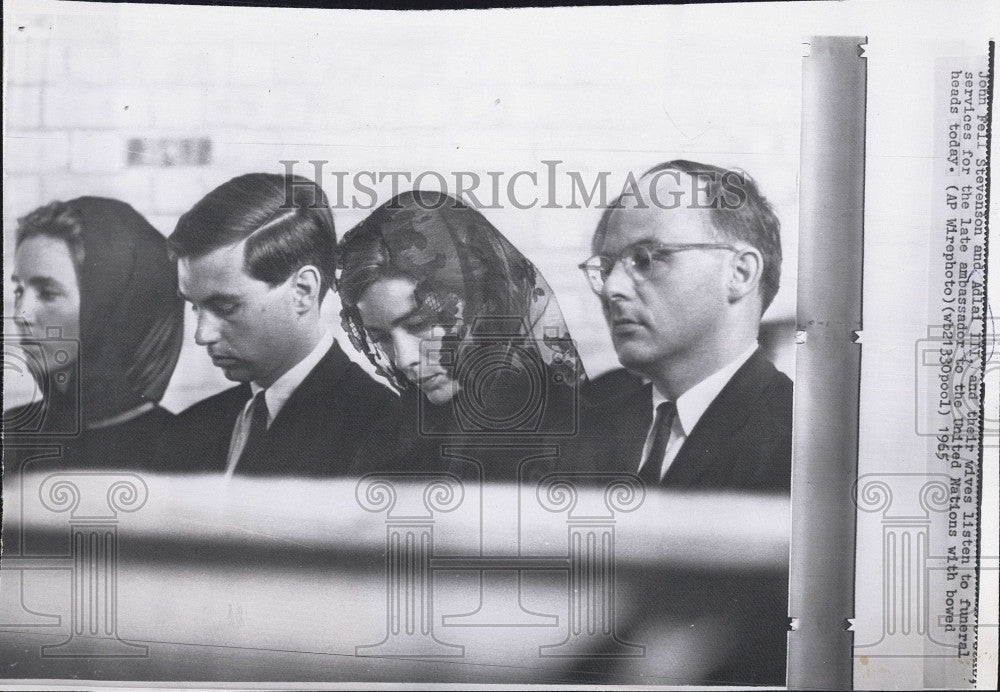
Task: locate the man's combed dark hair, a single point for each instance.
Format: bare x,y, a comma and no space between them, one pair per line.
54,220
284,219
738,212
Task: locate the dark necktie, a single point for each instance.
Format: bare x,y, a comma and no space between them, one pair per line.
650,471
251,456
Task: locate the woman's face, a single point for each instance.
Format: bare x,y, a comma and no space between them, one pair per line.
408,335
47,296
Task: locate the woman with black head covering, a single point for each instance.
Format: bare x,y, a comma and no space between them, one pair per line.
463,325
102,325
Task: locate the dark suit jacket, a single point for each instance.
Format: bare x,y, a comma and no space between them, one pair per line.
127,445
743,441
318,432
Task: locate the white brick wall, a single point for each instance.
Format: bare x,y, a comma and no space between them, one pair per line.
36,151
21,193
179,108
177,189
116,107
442,92
132,186
94,64
96,151
247,65
24,106
31,61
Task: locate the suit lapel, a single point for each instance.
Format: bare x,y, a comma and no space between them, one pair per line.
704,448
301,404
638,416
616,430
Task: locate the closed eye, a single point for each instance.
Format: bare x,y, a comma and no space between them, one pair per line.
222,308
417,324
378,337
217,308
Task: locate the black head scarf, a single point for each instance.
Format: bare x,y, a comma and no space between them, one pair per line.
456,257
131,318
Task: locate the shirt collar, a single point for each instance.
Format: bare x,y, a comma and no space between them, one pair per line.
278,393
692,404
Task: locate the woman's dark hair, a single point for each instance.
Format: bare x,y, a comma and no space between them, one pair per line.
363,259
284,219
394,242
56,220
463,269
131,318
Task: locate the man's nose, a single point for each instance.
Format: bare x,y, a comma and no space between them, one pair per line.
207,331
26,311
406,352
619,284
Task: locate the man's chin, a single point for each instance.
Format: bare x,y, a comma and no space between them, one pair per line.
632,356
236,374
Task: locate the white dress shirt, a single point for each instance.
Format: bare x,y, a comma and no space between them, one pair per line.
691,405
275,396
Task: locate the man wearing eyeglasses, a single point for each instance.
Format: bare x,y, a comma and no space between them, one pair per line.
685,264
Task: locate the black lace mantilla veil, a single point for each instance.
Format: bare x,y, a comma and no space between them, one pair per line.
474,283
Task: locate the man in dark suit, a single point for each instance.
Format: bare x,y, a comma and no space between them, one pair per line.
255,260
686,262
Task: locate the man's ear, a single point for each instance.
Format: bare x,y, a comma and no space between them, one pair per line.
744,273
306,288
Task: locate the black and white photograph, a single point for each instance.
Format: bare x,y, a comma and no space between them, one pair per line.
643,346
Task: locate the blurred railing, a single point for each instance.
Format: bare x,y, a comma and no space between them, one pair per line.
390,578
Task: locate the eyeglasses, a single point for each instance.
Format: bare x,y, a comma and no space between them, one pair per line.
640,260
